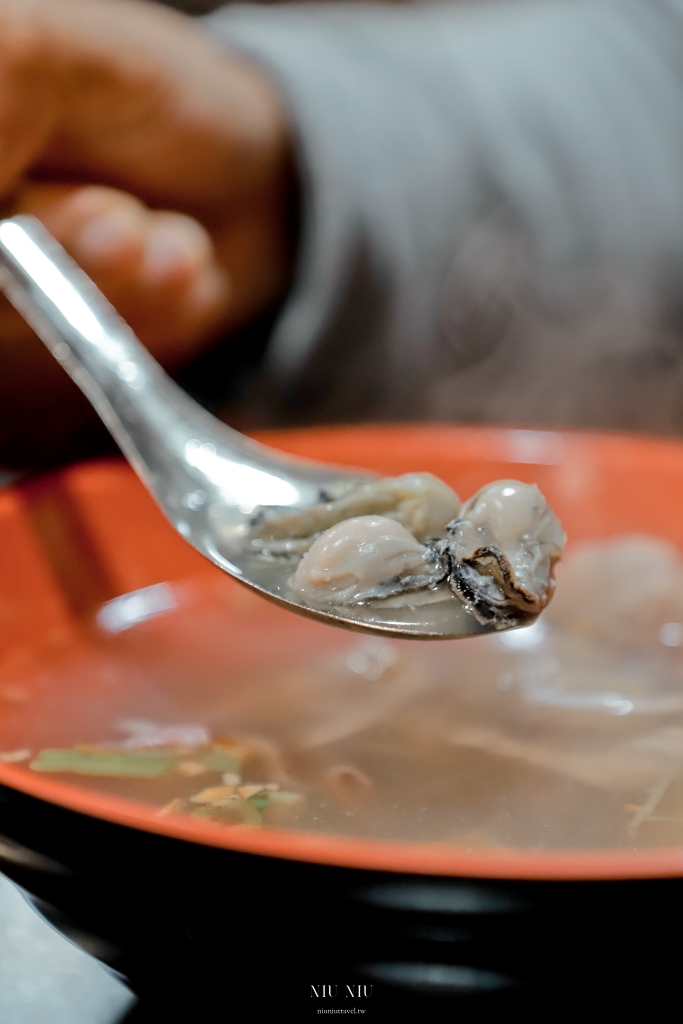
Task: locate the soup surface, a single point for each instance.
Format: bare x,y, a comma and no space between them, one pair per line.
566,733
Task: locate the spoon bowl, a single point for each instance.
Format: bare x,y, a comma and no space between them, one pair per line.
209,480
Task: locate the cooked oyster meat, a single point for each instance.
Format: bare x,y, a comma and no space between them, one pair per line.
625,593
419,501
364,558
496,553
503,549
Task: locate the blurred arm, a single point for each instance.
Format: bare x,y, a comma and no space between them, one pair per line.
417,124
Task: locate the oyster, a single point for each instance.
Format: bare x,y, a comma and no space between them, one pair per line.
497,556
364,558
422,503
502,551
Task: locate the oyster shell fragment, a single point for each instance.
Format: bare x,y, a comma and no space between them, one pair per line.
502,551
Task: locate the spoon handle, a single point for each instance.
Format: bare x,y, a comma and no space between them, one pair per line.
138,402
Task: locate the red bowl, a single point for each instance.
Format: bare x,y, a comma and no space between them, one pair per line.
82,536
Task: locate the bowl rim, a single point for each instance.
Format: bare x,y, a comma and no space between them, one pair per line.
442,859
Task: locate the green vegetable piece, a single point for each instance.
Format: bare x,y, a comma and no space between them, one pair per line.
285,798
132,764
221,761
260,801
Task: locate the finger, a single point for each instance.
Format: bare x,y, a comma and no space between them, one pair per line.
183,294
176,248
103,228
158,268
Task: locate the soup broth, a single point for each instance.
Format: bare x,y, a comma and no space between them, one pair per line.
568,733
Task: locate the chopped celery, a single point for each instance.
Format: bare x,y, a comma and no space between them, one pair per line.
260,801
140,764
221,760
285,798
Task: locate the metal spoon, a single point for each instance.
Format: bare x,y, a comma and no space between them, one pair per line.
208,480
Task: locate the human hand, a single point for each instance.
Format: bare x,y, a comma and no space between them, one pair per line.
161,163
